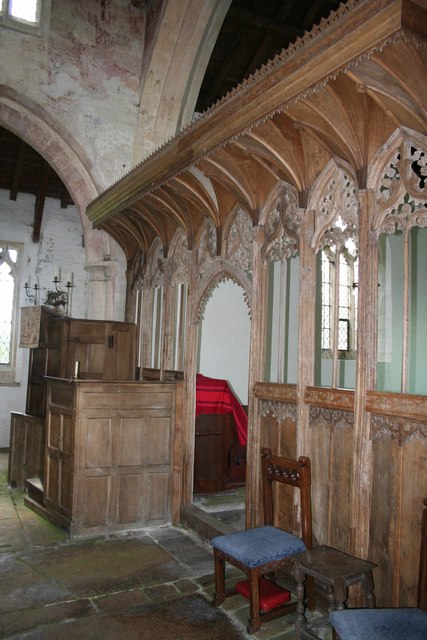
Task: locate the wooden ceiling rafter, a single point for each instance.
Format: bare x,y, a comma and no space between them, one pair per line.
144,212
388,88
271,143
198,198
287,122
174,204
39,204
17,173
122,236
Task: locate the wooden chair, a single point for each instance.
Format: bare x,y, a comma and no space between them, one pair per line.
389,624
264,550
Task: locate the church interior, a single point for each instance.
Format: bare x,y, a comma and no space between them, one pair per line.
213,235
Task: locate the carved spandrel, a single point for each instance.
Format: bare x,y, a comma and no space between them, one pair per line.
336,418
281,411
402,192
398,429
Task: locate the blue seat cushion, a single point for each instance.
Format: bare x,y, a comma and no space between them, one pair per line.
254,547
380,624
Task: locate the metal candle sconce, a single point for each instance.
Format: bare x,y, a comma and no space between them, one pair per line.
32,297
57,297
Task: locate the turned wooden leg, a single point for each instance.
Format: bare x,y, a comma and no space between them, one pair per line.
300,622
254,617
219,595
368,590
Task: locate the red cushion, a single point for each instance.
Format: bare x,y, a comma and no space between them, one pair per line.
271,595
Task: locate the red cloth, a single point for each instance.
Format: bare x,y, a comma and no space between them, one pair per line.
271,595
215,396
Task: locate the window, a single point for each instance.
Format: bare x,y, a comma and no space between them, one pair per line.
402,266
9,264
345,302
337,314
28,16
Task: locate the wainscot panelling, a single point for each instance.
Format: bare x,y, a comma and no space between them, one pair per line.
399,447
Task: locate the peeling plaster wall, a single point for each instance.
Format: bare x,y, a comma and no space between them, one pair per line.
86,74
60,246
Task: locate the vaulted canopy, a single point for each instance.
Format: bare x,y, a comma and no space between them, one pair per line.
340,91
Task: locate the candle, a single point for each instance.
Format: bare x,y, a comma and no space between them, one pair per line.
69,277
57,274
36,282
76,368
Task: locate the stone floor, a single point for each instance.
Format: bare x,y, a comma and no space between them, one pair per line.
52,586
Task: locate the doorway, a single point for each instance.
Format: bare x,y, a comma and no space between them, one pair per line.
223,358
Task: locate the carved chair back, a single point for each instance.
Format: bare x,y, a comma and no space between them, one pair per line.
296,474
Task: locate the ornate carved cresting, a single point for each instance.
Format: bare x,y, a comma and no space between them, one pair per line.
279,410
335,406
282,228
335,417
398,429
401,194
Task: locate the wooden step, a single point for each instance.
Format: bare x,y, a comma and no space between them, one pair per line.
35,490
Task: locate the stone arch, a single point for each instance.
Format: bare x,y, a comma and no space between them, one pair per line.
33,124
184,42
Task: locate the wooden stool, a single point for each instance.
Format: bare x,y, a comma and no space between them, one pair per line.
337,571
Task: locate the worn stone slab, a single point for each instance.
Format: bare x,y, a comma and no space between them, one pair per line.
22,586
190,618
105,565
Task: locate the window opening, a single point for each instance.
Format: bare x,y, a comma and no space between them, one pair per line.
25,10
27,16
401,224
9,257
335,241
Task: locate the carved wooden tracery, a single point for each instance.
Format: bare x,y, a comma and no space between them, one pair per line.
282,227
279,410
335,417
402,193
235,265
398,429
336,208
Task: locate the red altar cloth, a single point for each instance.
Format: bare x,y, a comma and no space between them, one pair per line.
215,396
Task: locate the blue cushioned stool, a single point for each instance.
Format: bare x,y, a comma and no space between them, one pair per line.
264,550
403,623
380,624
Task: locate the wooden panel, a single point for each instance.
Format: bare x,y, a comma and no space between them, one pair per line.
130,494
97,443
157,499
156,435
26,449
106,398
130,442
119,473
217,454
398,490
94,509
121,363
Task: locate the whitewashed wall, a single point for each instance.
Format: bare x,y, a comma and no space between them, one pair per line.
60,246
